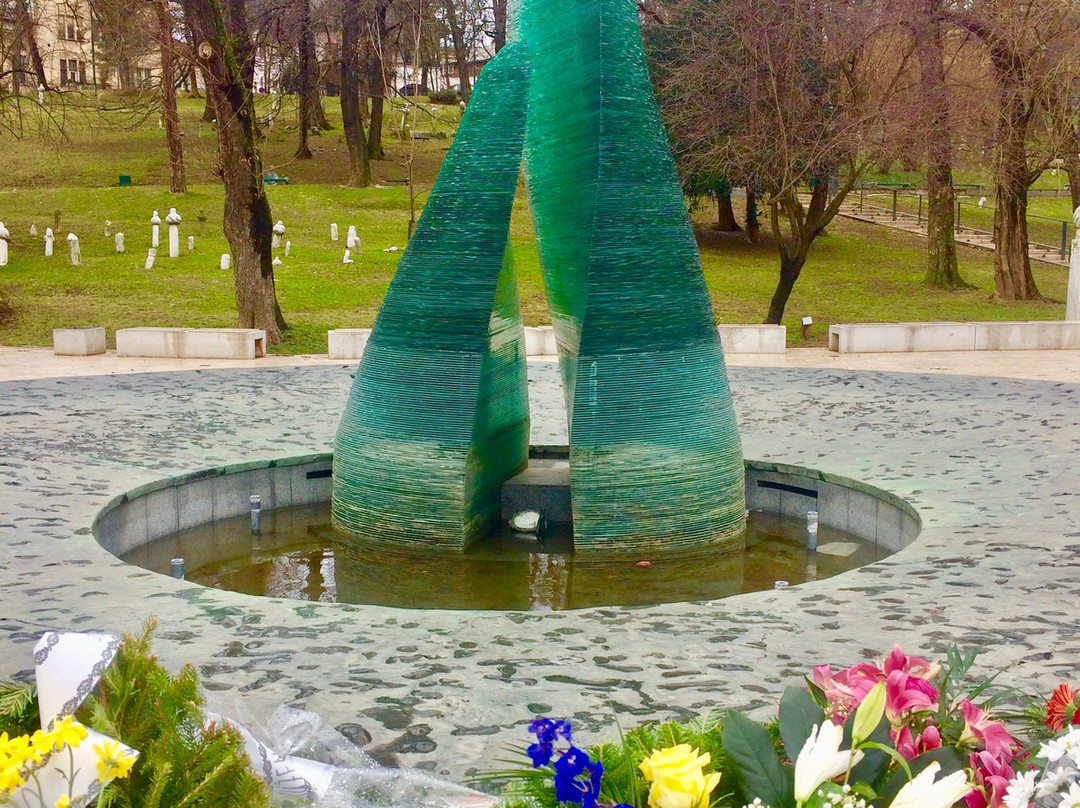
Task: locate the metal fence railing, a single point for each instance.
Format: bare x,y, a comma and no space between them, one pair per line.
900,202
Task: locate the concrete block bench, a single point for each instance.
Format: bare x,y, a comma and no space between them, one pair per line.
993,336
78,341
1034,335
754,338
348,343
192,343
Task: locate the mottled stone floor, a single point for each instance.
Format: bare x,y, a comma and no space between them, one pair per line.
991,464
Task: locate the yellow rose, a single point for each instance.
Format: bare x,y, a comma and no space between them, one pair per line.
677,777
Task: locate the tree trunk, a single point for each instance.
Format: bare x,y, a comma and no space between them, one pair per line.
1012,266
725,216
377,83
247,223
753,227
168,99
1072,168
499,10
461,52
790,267
306,89
360,168
941,270
209,114
26,22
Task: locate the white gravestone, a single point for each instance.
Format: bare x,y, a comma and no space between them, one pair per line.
224,261
173,221
276,262
352,241
151,254
73,246
155,220
346,259
41,93
49,237
1072,300
333,231
288,248
191,243
4,236
108,228
33,231
119,238
279,231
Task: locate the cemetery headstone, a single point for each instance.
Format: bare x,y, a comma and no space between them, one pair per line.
119,238
225,259
155,221
4,236
173,220
73,247
279,231
151,254
49,237
333,231
352,241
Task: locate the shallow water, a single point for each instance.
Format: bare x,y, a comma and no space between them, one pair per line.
298,555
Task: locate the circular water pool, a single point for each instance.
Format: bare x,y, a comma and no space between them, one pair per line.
203,518
297,554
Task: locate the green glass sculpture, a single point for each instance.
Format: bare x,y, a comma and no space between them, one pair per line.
437,418
438,415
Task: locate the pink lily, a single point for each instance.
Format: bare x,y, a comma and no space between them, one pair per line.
905,694
911,747
897,660
843,690
981,730
992,776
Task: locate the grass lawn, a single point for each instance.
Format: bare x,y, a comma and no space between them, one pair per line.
855,272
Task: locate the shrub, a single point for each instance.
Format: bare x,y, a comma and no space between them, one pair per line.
447,96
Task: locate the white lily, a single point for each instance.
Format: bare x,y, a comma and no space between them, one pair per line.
923,792
820,759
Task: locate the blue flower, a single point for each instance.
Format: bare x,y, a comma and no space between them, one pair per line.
577,778
547,731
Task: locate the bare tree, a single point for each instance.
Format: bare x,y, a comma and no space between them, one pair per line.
223,48
1021,39
168,47
783,96
937,133
351,25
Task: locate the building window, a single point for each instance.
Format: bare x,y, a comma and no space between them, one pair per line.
72,71
69,29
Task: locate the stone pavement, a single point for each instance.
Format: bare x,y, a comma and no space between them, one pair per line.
990,463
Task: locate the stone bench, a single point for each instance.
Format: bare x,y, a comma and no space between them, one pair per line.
192,343
754,338
87,341
947,336
348,343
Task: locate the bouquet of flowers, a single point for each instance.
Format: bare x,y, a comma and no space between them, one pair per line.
901,732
